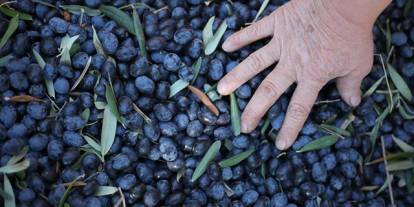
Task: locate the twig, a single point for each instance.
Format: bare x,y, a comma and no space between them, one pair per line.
389,53
386,79
121,200
327,101
387,172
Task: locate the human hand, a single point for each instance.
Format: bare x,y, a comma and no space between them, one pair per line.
313,43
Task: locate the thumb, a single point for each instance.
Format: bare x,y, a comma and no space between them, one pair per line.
349,88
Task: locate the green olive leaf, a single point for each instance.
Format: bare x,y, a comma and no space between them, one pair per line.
49,83
235,115
78,9
12,13
105,190
205,161
214,41
16,167
139,33
9,200
179,85
261,9
108,130
400,83
236,159
119,16
13,24
320,143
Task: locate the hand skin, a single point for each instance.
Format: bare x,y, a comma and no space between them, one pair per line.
313,41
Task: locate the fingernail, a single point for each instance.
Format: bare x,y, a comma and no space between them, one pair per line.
355,100
280,144
221,87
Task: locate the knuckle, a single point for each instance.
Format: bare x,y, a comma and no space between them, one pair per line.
298,111
253,31
255,62
270,88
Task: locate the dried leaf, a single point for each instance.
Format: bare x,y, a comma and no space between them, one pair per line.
400,83
22,98
205,161
204,99
82,74
235,115
108,130
179,85
139,33
236,159
12,13
13,24
105,190
261,10
78,9
320,143
9,200
119,17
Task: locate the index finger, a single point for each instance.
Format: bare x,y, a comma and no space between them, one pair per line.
258,30
298,111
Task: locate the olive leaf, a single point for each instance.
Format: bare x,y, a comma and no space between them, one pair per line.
319,143
211,93
78,9
211,44
12,13
177,86
204,99
111,100
141,113
400,165
45,3
374,87
400,83
235,115
18,157
49,83
92,143
13,24
119,17
205,161
21,98
108,130
82,75
261,9
16,167
9,200
392,156
139,33
405,111
265,126
207,33
86,114
5,59
68,190
236,159
105,190
97,43
334,130
263,170
403,145
64,49
196,69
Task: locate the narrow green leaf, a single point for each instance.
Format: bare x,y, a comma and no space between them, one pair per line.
49,83
215,40
179,85
228,145
97,43
18,157
400,165
65,46
335,129
263,170
388,36
404,113
409,6
14,168
207,33
13,24
265,127
105,190
68,190
12,13
108,130
118,16
10,200
78,9
139,33
403,145
205,161
229,192
196,69
400,83
235,115
374,87
111,100
142,114
211,93
82,74
5,59
137,5
261,10
45,3
85,114
320,143
236,159
92,143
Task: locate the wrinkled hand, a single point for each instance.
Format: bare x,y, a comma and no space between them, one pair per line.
312,45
